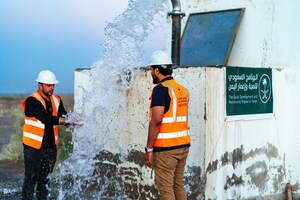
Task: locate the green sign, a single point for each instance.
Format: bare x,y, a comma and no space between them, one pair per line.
248,91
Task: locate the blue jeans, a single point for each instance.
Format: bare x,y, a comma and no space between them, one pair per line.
169,170
39,163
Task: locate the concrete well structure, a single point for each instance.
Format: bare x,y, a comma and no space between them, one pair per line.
241,158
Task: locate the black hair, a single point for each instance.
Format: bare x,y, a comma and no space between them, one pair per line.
164,71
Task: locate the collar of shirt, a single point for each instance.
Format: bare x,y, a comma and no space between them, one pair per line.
167,78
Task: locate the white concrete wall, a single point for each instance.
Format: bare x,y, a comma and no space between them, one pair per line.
267,37
238,159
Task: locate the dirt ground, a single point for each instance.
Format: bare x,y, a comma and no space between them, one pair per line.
11,179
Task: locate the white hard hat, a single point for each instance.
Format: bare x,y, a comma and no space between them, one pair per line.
46,77
160,58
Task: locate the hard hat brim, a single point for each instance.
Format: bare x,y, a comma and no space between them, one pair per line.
45,82
152,64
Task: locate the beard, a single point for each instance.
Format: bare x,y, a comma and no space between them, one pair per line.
47,93
50,93
155,80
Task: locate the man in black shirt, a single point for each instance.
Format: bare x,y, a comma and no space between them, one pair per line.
168,139
43,112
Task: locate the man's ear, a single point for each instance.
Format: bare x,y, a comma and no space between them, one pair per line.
156,71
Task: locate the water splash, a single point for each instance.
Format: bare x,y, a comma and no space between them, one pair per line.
103,111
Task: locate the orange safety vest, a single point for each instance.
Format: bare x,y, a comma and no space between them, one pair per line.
174,129
33,129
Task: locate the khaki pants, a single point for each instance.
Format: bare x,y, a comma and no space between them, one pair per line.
169,169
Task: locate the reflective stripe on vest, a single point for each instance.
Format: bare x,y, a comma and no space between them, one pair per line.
37,123
174,100
173,135
177,119
55,101
33,136
33,129
174,130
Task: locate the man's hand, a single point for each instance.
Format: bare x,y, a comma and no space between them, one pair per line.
148,159
73,119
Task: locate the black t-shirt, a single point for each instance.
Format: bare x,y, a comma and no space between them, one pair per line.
34,108
160,96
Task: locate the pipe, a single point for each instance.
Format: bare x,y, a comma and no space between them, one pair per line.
176,6
176,31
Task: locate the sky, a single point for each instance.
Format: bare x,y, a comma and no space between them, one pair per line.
59,35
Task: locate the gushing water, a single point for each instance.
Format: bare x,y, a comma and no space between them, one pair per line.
83,176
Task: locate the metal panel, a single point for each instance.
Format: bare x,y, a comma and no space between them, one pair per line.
208,37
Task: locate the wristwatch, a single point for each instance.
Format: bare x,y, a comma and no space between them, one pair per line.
147,150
